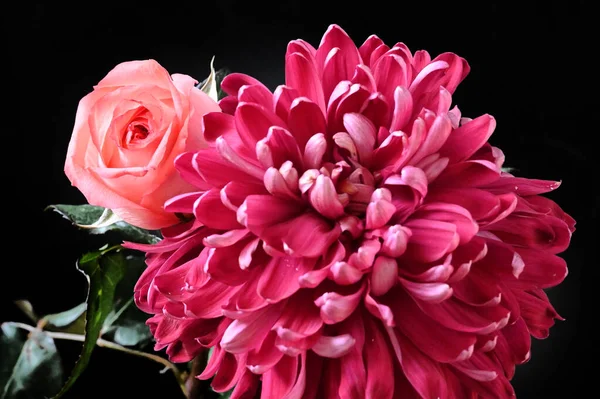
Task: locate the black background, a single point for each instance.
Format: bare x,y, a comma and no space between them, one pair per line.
531,69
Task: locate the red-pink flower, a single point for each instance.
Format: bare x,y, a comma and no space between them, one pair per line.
354,236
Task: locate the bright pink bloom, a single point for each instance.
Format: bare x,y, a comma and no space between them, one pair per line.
354,237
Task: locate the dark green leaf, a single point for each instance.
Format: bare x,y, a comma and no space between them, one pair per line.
218,78
98,220
219,75
126,324
65,318
70,321
132,334
30,366
104,269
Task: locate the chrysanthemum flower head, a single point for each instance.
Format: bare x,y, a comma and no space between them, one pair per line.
354,236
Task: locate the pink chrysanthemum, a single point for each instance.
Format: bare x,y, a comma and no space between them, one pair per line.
354,237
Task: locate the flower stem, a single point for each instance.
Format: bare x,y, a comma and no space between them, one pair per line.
111,345
195,387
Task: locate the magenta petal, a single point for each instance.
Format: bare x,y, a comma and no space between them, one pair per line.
216,124
429,292
262,359
280,379
335,37
223,264
235,193
307,235
226,239
389,152
213,364
314,151
542,269
234,81
466,227
216,171
457,71
283,147
344,274
395,240
279,278
258,94
246,334
246,387
475,173
335,307
230,371
403,108
377,110
379,310
301,74
364,77
334,71
378,363
430,239
364,256
384,275
367,48
467,139
480,203
427,78
459,316
265,210
305,120
390,71
424,374
208,302
435,138
282,100
379,211
353,378
276,185
228,105
183,203
363,134
438,342
542,232
478,289
522,186
211,212
186,169
334,347
253,121
352,102
323,197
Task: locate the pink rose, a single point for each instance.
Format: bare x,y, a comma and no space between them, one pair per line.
128,132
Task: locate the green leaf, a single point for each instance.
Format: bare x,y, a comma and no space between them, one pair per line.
30,366
103,269
98,220
72,320
212,84
132,334
126,324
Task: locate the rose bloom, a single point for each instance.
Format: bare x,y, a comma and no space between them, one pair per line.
127,134
354,237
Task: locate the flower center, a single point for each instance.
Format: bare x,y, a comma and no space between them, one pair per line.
136,131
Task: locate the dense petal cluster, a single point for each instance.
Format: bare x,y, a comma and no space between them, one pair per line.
353,236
